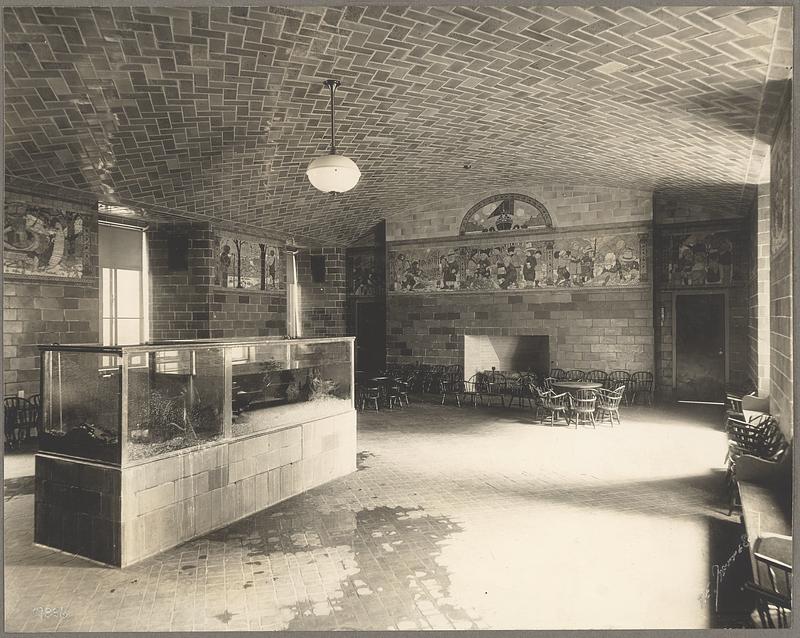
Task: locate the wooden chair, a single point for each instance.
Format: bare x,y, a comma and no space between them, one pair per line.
547,383
583,404
608,404
370,394
476,388
540,396
403,388
557,406
451,385
522,390
617,378
10,410
497,386
558,374
760,438
596,376
641,383
772,586
733,408
575,375
36,402
19,417
393,395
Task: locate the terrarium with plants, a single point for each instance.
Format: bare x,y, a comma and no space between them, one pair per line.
81,405
175,400
306,381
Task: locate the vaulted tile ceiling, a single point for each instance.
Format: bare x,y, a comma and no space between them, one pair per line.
217,111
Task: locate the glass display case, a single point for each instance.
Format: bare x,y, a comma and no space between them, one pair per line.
81,402
127,404
277,384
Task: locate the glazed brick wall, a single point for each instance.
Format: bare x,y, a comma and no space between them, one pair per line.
323,305
603,329
781,330
240,313
180,300
38,310
759,318
670,208
568,205
187,305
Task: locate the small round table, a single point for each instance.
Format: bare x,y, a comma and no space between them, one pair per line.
574,386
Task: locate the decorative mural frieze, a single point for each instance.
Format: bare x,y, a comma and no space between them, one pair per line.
703,258
44,242
505,213
245,263
593,261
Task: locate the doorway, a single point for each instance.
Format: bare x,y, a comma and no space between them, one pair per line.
370,336
700,347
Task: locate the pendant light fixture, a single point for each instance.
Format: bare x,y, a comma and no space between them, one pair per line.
333,173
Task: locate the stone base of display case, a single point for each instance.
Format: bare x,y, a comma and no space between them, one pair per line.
77,508
167,501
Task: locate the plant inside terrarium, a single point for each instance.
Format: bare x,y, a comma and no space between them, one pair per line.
318,388
163,419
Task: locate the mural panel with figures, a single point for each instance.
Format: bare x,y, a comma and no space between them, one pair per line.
250,264
44,242
612,260
703,258
226,263
366,275
414,270
246,264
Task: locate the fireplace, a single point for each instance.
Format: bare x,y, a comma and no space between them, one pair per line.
521,353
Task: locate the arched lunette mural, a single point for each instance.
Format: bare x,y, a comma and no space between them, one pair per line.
505,212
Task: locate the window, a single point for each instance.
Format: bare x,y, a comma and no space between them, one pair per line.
242,354
123,278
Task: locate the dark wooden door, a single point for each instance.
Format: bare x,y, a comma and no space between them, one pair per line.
700,347
370,336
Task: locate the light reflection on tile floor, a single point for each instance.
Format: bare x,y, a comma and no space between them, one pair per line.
457,519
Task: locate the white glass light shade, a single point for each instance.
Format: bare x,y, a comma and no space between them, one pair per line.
333,173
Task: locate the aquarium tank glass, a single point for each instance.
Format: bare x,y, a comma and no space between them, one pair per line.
81,404
274,384
175,399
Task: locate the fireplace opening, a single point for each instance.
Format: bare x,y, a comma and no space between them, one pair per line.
522,353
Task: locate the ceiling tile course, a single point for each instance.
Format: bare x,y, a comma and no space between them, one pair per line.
217,111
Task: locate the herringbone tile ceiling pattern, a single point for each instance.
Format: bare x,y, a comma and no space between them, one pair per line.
217,111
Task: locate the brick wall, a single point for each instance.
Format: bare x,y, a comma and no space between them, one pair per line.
241,313
568,205
323,306
187,305
759,317
602,329
781,331
48,309
712,204
180,299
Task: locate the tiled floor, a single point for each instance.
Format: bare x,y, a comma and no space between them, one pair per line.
457,518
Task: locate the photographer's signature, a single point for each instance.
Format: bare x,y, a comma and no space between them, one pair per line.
718,573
